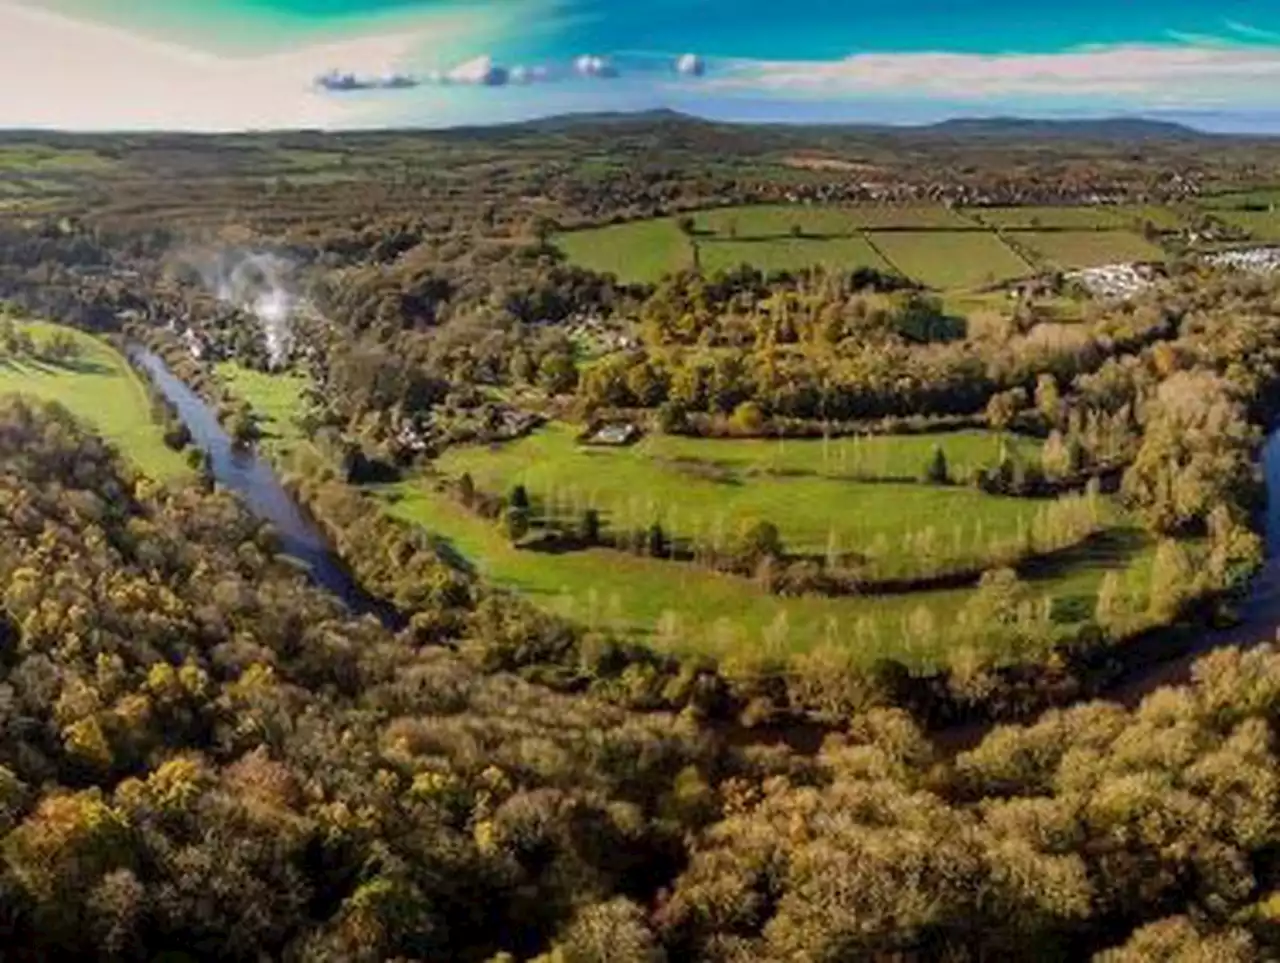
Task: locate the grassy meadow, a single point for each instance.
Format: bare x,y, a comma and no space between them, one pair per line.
1053,218
277,401
638,252
950,259
1082,249
938,246
790,254
709,488
1260,225
682,608
100,388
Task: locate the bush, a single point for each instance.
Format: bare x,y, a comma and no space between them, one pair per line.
935,470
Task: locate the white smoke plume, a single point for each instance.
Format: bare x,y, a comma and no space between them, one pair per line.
260,284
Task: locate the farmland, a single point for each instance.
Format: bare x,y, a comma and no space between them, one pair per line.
1080,249
681,608
1260,225
947,259
642,251
935,245
695,485
1056,218
100,388
671,484
791,254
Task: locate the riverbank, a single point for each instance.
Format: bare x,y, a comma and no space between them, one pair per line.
777,703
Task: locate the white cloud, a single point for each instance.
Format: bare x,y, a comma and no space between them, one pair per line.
1139,74
589,65
691,65
481,71
66,73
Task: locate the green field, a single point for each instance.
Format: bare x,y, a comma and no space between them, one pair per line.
32,158
639,252
682,608
711,488
1081,249
1030,218
1164,218
884,457
775,220
101,389
790,254
950,259
1263,196
935,245
910,216
1261,225
277,401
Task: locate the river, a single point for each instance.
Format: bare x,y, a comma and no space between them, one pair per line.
252,478
255,481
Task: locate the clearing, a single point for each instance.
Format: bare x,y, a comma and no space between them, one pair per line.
278,401
100,388
712,488
682,608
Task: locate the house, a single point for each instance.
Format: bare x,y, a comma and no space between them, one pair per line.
614,434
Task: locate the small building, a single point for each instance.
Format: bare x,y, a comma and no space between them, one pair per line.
614,435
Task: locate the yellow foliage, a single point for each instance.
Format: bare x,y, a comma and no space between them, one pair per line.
256,678
178,782
162,682
66,842
193,679
486,836
86,740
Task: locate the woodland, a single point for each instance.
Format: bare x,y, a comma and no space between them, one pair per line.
205,756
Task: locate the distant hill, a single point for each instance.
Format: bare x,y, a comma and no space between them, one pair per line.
965,128
1104,128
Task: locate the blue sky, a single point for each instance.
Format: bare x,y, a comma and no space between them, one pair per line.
228,64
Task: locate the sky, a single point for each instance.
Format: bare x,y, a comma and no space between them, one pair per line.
263,64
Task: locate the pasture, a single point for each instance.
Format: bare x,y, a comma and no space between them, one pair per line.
950,259
1053,218
637,252
277,401
98,387
790,254
935,245
846,495
1260,225
1081,249
684,609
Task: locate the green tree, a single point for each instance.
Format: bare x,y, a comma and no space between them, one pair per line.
935,470
516,523
557,374
747,418
656,541
589,527
519,498
466,489
672,418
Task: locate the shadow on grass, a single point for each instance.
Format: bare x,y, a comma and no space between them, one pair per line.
781,236
1112,548
28,365
451,554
